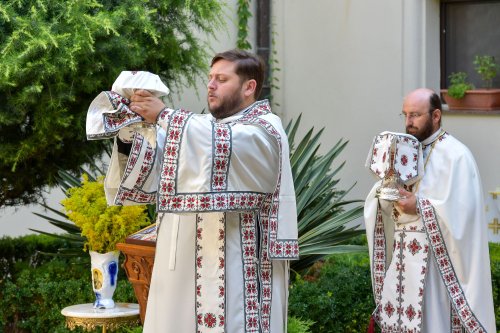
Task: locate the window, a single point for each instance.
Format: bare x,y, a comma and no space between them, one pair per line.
468,28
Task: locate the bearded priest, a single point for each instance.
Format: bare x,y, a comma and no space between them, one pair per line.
429,249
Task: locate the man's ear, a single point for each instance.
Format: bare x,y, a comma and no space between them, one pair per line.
249,87
436,115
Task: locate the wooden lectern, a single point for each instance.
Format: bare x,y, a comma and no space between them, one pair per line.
139,250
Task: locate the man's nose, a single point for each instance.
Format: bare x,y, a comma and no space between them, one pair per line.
211,84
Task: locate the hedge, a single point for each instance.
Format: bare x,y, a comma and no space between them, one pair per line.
335,295
31,299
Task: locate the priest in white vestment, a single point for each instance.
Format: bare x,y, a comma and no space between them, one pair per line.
429,251
222,183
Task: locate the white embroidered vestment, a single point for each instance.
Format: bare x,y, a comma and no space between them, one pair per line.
227,217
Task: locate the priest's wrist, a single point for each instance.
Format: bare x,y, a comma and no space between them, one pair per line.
162,114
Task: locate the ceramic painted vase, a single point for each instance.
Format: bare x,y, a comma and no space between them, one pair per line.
104,276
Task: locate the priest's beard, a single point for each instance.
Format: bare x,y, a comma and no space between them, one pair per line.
423,133
228,106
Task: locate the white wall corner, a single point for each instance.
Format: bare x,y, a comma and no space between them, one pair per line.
420,43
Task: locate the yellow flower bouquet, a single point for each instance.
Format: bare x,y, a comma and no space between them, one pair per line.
103,226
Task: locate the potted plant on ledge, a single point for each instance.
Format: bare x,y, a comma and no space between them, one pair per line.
103,227
462,95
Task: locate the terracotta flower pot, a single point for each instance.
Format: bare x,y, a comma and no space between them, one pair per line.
477,99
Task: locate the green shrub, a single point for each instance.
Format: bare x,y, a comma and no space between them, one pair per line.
322,211
56,56
336,294
495,279
21,252
137,329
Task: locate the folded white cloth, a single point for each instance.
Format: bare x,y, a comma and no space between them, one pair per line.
128,81
109,111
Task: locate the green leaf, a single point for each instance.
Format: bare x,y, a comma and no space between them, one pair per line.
66,226
69,237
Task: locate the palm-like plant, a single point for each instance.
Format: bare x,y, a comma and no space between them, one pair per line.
322,216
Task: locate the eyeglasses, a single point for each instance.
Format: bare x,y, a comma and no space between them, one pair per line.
412,115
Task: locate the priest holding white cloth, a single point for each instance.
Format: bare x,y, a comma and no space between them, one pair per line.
429,250
225,198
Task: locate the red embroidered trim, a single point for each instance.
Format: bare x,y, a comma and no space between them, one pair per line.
378,258
123,115
136,194
170,157
222,156
456,324
164,114
250,271
455,292
211,202
213,321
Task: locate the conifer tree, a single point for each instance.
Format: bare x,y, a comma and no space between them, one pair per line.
56,56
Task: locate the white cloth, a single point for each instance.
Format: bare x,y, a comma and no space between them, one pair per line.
228,223
109,111
444,250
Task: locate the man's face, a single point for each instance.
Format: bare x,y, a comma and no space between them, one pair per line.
225,90
419,120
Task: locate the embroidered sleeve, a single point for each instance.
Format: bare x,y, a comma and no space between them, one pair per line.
164,116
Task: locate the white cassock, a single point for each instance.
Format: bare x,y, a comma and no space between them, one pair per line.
431,271
227,217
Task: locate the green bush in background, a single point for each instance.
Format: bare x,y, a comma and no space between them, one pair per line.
335,295
31,299
22,252
495,279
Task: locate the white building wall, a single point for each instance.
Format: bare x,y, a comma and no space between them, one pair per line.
346,66
347,75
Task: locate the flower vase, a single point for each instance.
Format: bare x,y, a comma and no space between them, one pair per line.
104,277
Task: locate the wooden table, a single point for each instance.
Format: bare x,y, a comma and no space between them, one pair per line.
84,315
